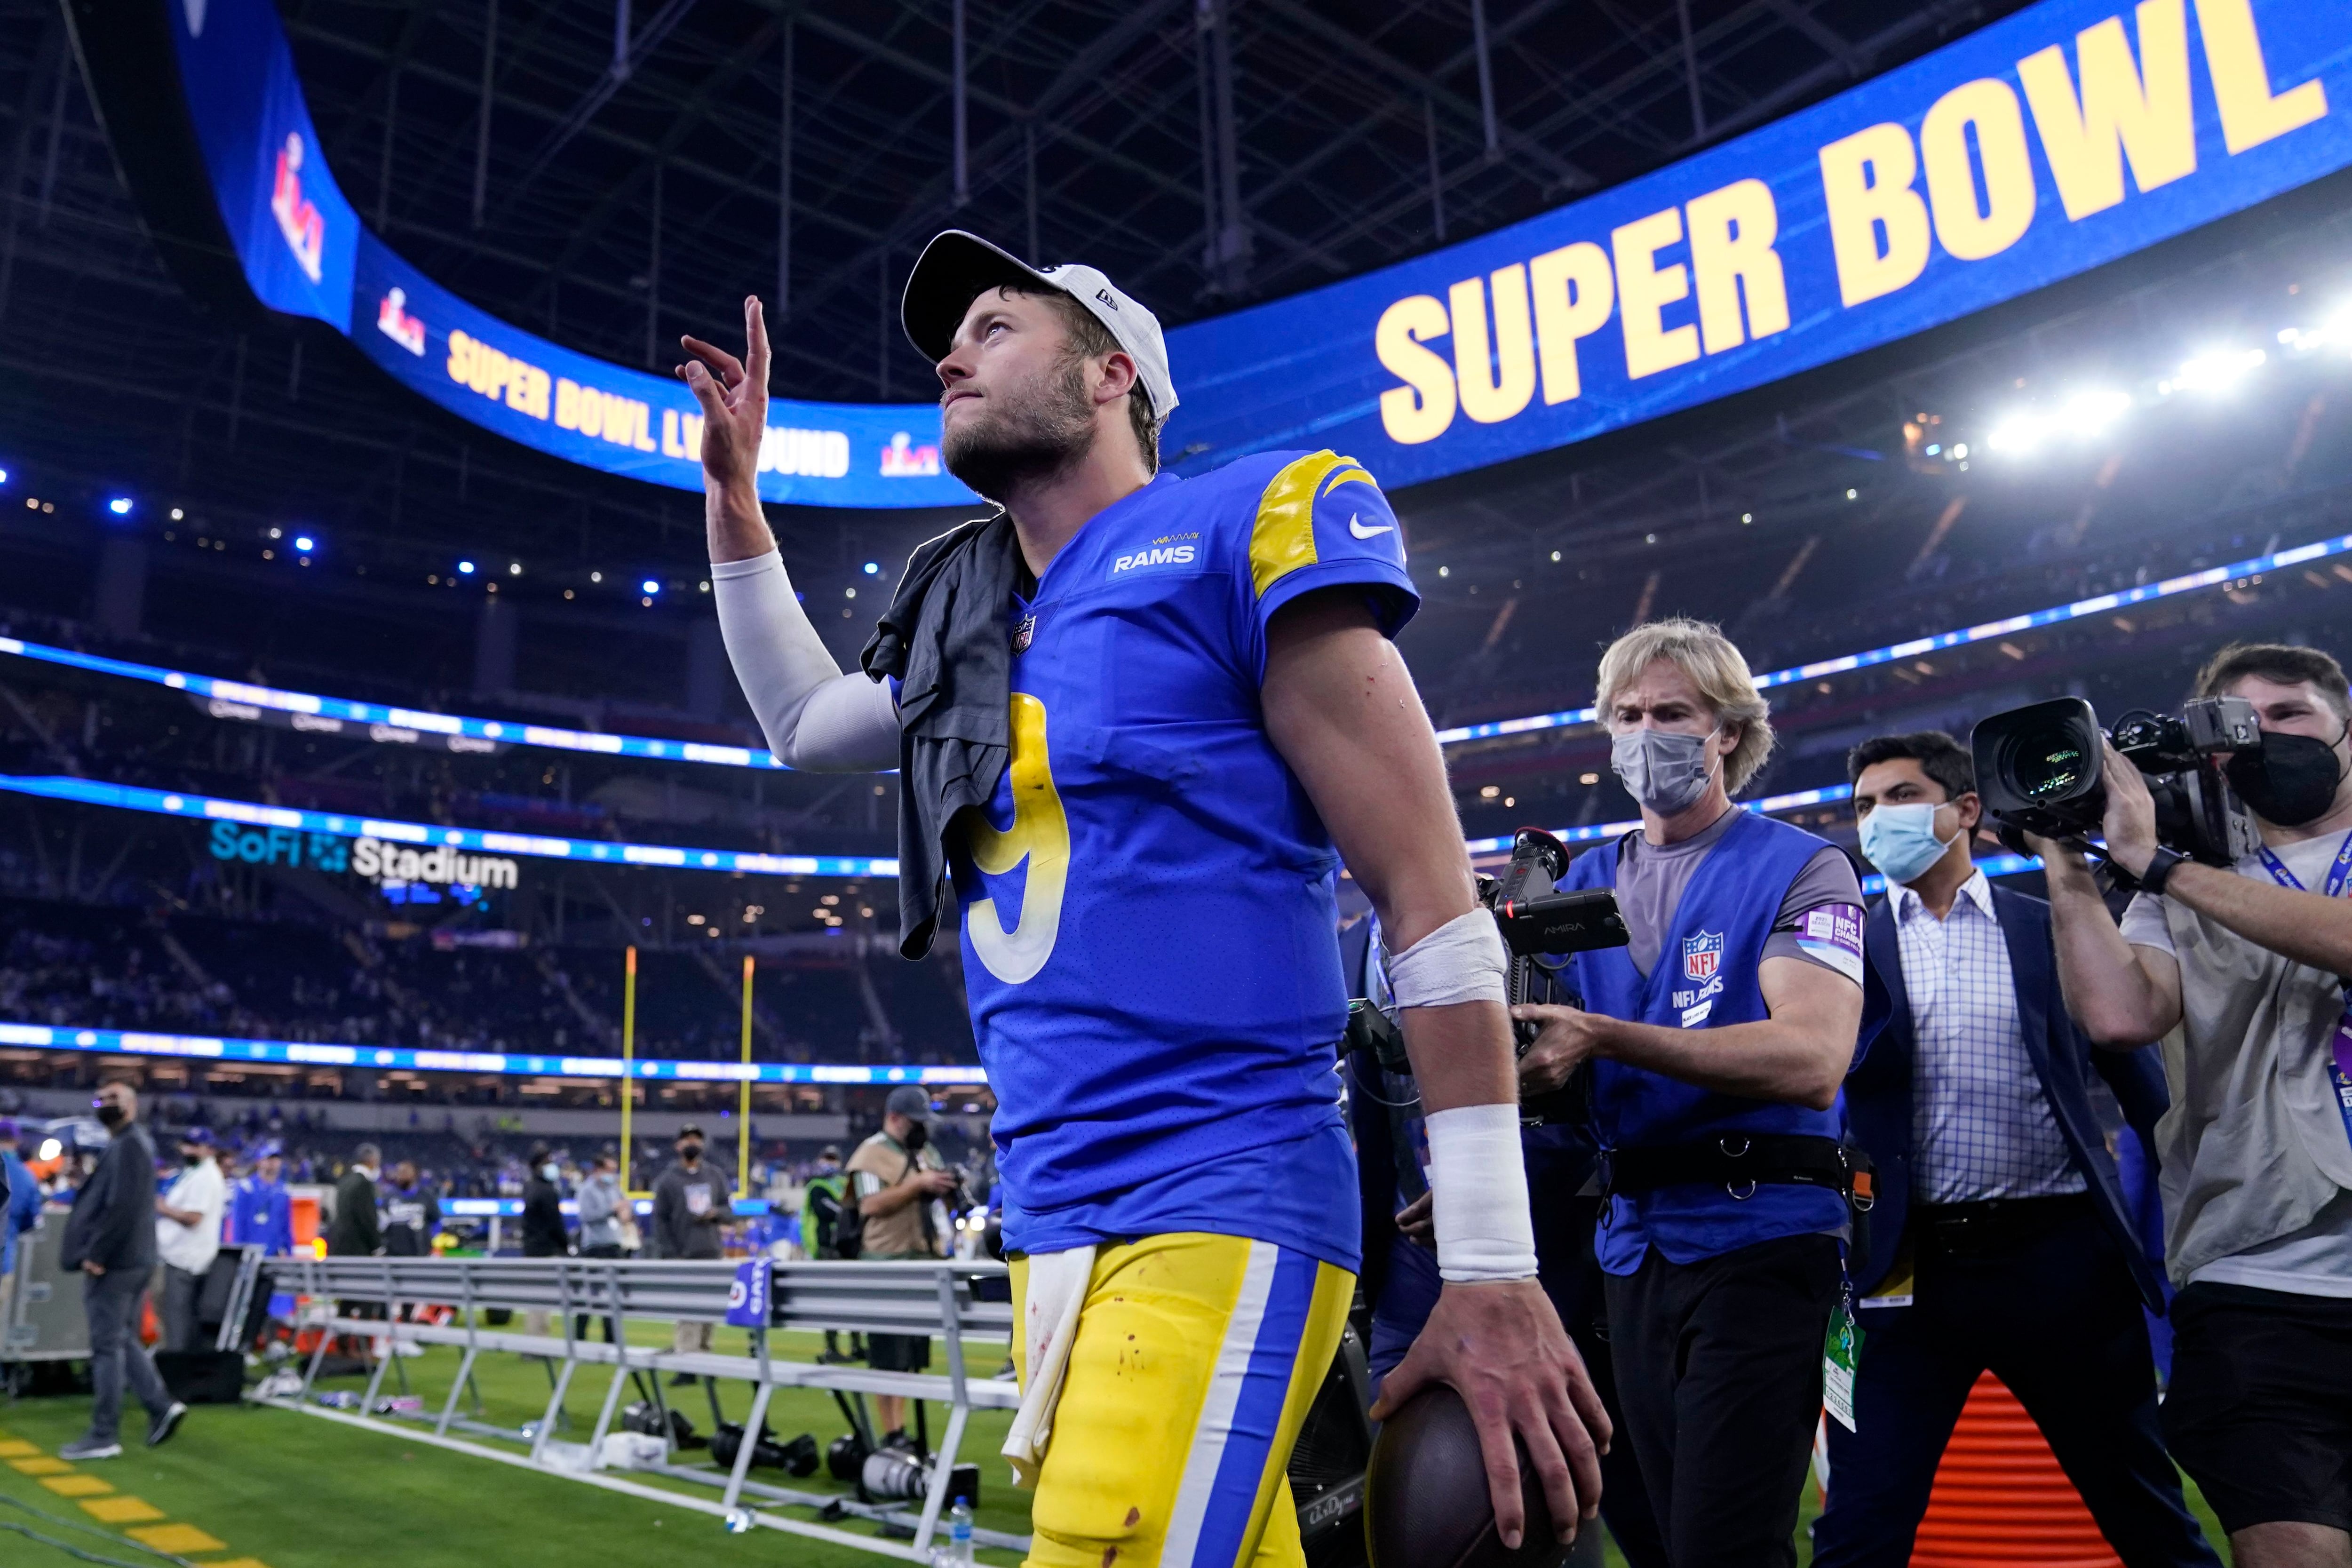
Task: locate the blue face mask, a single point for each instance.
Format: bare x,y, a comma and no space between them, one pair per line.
1900,841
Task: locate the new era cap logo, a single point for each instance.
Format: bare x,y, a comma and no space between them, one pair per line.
1104,295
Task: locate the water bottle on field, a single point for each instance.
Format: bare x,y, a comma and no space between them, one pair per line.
957,1553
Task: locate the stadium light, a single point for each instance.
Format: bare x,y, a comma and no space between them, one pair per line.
2091,411
304,543
514,568
650,586
466,567
119,506
2214,373
873,568
2017,434
4,476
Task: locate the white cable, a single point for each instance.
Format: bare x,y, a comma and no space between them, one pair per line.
1478,1189
1461,960
815,718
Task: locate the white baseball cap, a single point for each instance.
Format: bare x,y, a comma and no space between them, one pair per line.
958,267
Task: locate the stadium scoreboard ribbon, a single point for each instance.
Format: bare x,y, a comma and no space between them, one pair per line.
2066,136
405,726
305,252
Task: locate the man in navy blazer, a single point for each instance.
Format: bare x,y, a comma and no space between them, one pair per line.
2000,1238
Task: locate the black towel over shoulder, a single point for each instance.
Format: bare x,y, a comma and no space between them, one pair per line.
946,636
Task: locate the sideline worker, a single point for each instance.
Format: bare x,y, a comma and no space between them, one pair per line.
900,1180
110,1238
690,1209
187,1236
20,1206
2240,973
357,1231
2019,1254
1719,1038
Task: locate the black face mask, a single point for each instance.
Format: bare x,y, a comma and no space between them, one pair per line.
111,1114
916,1136
689,1153
2291,781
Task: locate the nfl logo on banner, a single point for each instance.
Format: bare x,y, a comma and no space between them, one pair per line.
1702,955
747,1299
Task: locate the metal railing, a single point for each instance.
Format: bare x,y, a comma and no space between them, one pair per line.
953,1302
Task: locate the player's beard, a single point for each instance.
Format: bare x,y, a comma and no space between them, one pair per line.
1025,437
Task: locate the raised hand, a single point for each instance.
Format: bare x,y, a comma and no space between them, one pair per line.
734,398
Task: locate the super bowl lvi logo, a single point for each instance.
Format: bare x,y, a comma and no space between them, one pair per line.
298,217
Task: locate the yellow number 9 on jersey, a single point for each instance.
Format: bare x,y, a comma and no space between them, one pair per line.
1040,834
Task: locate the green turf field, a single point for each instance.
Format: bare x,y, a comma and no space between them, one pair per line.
252,1487
288,1490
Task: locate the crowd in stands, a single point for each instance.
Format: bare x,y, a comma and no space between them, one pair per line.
113,967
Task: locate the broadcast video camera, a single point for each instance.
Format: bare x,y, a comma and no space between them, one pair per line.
1537,923
1540,924
2040,770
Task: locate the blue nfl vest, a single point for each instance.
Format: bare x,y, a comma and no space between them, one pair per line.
1706,978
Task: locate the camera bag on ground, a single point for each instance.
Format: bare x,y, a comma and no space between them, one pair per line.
203,1377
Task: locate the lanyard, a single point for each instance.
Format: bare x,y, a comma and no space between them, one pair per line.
2338,873
2339,1069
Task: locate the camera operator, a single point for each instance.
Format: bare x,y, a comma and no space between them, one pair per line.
2239,972
2000,1238
1719,1039
900,1180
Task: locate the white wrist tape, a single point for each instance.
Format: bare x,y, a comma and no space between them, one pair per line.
1461,960
1478,1187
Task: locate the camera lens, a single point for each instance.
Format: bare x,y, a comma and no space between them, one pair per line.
2047,762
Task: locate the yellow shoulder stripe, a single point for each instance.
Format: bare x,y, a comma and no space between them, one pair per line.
1282,540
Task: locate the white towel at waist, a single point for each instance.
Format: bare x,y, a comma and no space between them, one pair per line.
1049,1321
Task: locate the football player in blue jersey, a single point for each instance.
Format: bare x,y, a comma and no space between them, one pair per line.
1138,719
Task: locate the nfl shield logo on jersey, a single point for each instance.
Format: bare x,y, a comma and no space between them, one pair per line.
1702,955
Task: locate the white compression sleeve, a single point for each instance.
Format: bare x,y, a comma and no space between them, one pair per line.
815,718
1479,1190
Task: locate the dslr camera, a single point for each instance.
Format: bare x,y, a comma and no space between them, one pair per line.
2041,769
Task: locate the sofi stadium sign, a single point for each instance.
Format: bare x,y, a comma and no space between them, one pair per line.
2066,136
393,867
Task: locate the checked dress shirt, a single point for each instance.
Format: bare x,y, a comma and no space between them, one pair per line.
1981,1126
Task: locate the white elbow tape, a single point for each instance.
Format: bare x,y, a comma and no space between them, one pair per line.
1478,1188
1461,960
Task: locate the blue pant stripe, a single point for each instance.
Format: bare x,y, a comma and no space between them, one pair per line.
1257,1414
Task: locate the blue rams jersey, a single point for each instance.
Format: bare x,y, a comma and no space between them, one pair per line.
1148,904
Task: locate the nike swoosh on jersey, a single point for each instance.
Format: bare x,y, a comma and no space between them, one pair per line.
1361,531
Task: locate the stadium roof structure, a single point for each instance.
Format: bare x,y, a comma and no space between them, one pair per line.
610,176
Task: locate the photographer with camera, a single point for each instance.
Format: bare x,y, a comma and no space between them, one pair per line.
1718,1040
2000,1238
900,1180
2239,970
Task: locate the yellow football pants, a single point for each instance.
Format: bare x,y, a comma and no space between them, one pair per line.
1195,1361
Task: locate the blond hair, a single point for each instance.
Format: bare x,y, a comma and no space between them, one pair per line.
1716,665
